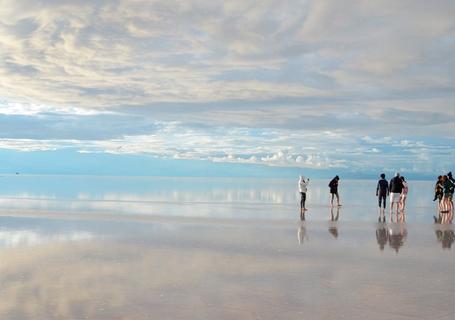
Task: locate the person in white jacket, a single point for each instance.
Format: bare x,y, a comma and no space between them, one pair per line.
303,187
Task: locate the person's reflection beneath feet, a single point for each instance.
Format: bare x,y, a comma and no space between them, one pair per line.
301,234
333,222
447,237
382,235
397,235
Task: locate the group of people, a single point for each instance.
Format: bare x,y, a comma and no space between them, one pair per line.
397,190
303,188
443,192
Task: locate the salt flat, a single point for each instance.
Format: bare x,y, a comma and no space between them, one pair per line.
193,268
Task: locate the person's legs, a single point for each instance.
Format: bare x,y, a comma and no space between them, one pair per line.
333,196
338,198
392,196
302,200
384,198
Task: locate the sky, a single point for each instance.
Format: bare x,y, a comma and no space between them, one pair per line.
357,87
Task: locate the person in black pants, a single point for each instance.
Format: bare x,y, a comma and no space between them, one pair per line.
382,191
333,185
303,187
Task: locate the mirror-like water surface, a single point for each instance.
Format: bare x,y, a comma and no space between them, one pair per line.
200,197
233,269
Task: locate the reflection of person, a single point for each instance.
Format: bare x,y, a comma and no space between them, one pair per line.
446,237
382,190
301,234
395,188
333,185
333,226
303,187
334,217
397,235
382,235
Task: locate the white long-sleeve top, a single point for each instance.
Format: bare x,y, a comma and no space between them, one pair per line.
303,185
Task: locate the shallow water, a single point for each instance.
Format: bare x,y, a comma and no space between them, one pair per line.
199,197
167,248
191,268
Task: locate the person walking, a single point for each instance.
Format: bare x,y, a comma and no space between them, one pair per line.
333,185
303,188
404,194
382,191
395,188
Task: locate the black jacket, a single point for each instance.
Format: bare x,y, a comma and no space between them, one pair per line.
396,185
383,187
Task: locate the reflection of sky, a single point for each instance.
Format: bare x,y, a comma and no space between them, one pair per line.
241,198
210,269
11,239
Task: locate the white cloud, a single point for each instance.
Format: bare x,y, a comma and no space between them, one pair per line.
293,83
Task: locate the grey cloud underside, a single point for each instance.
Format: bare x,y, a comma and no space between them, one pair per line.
77,127
274,82
108,54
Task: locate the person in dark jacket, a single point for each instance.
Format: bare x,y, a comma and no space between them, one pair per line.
382,191
438,190
446,205
395,189
452,188
333,185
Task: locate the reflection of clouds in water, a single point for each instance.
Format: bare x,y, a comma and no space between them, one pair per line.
205,197
353,192
28,238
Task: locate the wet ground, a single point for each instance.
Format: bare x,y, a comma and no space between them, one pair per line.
116,267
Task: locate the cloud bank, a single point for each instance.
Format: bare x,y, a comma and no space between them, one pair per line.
316,84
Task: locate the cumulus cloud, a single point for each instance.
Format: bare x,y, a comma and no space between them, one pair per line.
294,83
98,54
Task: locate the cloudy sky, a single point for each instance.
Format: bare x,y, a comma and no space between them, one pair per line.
330,85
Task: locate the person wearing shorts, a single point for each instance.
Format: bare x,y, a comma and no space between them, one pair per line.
395,189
